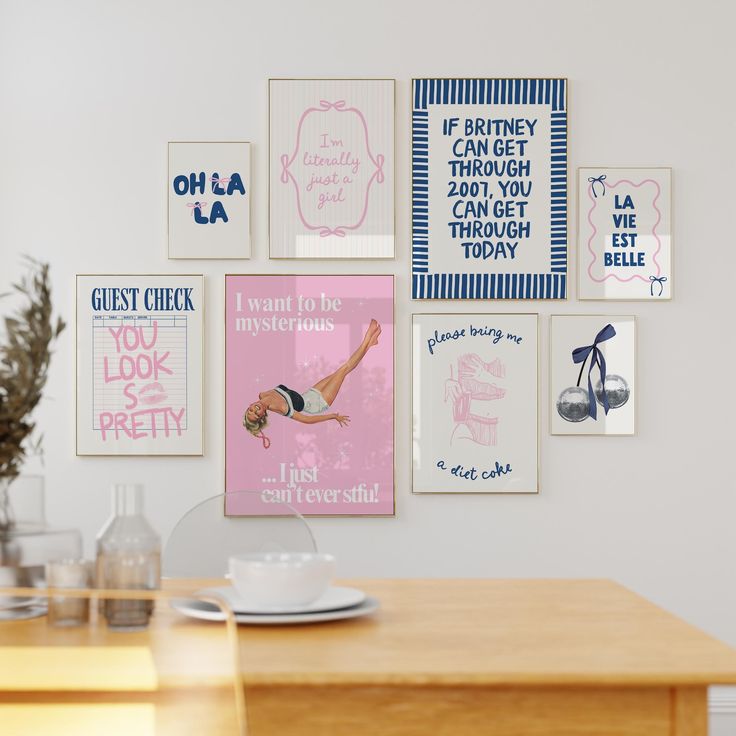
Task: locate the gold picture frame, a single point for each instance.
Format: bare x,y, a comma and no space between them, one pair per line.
201,451
552,406
579,249
537,387
271,80
568,248
393,378
168,207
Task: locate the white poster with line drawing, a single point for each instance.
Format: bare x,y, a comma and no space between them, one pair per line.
331,161
139,364
475,403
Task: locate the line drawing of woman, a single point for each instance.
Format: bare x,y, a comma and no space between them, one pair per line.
309,407
471,395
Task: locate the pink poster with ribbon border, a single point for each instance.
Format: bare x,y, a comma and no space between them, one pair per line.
309,389
332,168
625,234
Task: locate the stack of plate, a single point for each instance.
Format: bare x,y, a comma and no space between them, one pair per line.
335,604
16,608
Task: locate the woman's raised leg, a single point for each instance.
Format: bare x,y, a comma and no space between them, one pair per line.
330,386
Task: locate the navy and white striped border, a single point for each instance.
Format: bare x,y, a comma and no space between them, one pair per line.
488,285
551,92
419,191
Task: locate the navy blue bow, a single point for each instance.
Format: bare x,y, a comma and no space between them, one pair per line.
580,355
597,180
656,280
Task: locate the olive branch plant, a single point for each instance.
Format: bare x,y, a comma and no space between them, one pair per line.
25,355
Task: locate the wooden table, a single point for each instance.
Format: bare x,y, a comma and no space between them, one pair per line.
178,677
441,657
487,657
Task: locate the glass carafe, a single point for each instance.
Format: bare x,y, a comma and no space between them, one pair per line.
128,557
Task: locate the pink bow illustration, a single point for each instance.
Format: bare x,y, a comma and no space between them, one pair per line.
219,181
327,105
196,206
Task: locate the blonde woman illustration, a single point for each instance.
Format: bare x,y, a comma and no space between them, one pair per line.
311,406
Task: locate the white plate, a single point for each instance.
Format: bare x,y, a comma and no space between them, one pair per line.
333,599
8,602
21,614
209,612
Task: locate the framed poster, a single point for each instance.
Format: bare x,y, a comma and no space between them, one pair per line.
309,394
209,199
475,403
489,188
331,168
139,364
625,234
592,374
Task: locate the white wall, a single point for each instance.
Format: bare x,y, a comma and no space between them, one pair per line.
91,91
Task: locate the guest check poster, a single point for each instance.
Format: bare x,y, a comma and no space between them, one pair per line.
489,188
139,364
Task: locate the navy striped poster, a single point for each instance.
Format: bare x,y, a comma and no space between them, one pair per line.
489,188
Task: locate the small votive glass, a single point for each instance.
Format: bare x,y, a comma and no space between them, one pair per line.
68,573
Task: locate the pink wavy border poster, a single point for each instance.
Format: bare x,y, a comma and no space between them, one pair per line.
625,233
309,416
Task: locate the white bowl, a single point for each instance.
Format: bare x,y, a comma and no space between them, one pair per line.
281,578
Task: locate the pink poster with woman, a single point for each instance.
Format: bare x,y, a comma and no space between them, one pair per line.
309,394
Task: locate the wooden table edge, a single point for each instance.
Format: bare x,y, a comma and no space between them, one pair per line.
482,680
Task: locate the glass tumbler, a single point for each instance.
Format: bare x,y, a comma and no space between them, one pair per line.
68,573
